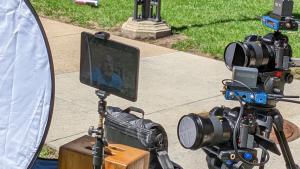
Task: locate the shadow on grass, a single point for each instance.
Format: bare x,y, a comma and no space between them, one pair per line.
244,19
297,16
185,27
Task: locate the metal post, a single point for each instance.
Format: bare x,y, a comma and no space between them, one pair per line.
147,10
151,10
136,10
158,9
146,22
98,148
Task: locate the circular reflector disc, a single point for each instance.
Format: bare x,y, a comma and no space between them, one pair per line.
26,85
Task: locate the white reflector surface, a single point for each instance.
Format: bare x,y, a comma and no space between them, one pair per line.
26,78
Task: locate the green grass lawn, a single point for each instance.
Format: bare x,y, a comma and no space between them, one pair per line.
296,71
48,153
209,24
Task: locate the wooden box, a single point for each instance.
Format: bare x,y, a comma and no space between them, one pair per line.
78,155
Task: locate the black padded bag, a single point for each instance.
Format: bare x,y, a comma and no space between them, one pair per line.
122,127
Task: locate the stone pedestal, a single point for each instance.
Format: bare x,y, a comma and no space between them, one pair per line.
145,29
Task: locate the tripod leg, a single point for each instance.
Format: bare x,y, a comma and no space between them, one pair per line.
264,155
268,124
285,149
214,163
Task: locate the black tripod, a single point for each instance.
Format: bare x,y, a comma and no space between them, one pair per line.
266,119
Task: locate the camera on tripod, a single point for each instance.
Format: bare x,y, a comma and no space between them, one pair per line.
260,68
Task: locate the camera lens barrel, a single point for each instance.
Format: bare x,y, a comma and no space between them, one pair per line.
247,54
195,131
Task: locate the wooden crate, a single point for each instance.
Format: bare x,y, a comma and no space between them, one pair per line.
78,155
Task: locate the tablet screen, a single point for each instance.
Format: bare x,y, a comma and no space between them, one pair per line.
109,66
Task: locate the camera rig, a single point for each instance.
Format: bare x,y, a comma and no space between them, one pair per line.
271,54
261,67
266,61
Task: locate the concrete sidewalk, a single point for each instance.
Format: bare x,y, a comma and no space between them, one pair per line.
172,84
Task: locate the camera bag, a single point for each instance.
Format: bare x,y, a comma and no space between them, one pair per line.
123,127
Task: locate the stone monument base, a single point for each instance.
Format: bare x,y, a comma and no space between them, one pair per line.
145,29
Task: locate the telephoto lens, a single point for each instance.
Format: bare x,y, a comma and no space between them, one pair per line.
258,52
196,131
249,54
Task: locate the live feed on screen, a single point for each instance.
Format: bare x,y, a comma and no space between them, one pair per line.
109,66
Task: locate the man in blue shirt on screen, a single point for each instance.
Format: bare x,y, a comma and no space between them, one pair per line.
106,76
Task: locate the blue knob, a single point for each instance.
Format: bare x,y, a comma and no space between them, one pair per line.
248,156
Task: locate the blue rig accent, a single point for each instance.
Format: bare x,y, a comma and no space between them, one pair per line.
229,162
248,156
271,22
247,96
